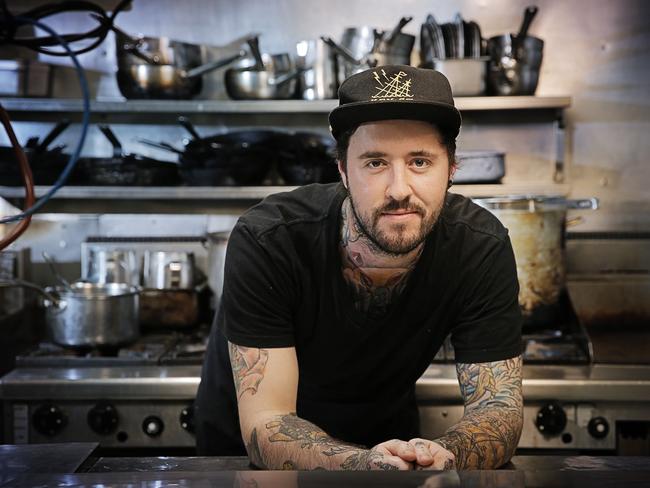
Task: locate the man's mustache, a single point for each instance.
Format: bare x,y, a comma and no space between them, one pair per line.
394,205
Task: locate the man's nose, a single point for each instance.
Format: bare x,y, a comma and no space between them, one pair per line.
399,186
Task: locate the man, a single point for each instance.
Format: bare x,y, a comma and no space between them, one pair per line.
336,298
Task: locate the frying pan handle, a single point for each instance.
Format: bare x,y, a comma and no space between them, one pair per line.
395,32
204,68
160,145
187,125
347,55
54,133
584,204
129,44
117,147
529,15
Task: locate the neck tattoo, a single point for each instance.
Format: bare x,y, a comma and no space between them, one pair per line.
375,278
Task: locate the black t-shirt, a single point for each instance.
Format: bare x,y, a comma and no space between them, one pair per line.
283,286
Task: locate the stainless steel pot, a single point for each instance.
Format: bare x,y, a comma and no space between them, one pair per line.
318,80
276,78
162,68
536,226
217,244
112,266
93,315
168,270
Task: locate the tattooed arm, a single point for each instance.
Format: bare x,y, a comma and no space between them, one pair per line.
266,381
487,435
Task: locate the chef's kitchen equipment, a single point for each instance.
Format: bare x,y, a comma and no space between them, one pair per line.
515,60
306,157
217,243
25,78
364,47
234,158
168,270
454,49
466,76
162,68
93,315
126,168
479,167
536,226
112,266
174,309
272,76
46,162
318,66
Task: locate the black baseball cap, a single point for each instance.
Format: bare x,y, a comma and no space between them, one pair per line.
395,92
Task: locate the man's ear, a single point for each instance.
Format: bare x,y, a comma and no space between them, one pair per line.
344,177
452,171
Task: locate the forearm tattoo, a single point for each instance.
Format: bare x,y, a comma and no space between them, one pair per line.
248,366
309,447
488,434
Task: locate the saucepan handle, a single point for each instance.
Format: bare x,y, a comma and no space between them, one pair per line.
583,204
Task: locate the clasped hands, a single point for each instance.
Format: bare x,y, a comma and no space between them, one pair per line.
414,454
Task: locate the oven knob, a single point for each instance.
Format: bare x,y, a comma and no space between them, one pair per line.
153,426
598,427
102,418
49,420
551,419
187,418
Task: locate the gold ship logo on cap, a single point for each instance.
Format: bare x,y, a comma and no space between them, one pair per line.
394,88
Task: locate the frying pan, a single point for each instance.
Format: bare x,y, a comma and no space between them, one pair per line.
230,159
46,163
306,157
126,169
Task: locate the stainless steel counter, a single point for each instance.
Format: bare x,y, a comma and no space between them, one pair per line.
597,382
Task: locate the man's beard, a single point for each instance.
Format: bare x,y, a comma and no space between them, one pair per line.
395,243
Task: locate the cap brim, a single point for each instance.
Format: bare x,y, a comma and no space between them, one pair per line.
345,117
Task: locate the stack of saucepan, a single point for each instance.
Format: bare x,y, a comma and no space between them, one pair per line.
250,157
363,47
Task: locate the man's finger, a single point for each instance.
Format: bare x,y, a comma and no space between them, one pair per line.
424,455
390,463
399,448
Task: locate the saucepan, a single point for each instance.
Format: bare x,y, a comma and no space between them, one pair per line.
162,68
86,315
270,77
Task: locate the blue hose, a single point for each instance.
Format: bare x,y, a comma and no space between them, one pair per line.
85,121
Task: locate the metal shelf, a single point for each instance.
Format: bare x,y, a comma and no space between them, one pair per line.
257,107
249,193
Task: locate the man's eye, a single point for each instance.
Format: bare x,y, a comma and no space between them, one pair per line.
375,163
420,163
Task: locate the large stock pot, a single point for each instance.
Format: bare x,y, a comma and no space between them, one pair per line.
537,226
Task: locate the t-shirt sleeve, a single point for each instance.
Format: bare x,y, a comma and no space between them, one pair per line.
257,293
489,321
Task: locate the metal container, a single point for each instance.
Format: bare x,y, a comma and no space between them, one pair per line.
217,244
112,266
479,167
276,79
536,225
25,78
514,70
169,308
93,315
168,270
318,80
466,76
162,68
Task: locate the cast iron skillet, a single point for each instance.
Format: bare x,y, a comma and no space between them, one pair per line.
46,163
126,169
306,157
238,158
